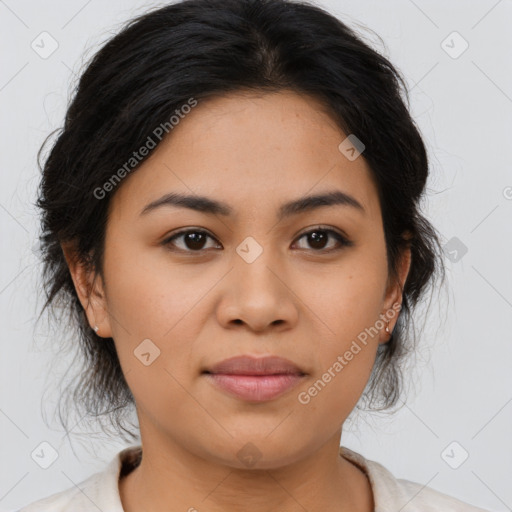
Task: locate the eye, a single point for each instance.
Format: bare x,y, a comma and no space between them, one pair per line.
194,240
318,239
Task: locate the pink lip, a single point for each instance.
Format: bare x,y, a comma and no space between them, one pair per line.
255,379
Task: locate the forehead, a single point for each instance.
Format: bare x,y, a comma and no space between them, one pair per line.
250,150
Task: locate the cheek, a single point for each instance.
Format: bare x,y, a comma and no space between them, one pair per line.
147,294
346,305
154,312
346,300
344,367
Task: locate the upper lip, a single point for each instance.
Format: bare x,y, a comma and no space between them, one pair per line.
250,365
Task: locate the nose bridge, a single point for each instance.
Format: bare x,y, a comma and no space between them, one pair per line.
256,293
255,267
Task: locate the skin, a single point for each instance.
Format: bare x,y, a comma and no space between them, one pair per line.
296,300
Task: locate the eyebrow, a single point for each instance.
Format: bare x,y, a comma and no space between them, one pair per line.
211,206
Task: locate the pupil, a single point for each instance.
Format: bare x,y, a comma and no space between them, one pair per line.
318,238
193,240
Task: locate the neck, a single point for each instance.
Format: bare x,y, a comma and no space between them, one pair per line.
174,479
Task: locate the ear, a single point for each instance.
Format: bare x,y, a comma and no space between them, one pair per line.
393,296
90,290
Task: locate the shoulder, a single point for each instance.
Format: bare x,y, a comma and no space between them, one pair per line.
423,498
98,492
74,498
392,494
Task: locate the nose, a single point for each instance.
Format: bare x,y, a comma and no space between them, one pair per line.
258,296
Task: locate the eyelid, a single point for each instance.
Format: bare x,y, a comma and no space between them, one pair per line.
322,227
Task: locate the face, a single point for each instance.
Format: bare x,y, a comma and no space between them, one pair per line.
187,286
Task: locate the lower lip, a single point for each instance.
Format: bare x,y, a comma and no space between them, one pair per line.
255,388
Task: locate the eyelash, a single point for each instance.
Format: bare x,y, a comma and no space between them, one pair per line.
340,238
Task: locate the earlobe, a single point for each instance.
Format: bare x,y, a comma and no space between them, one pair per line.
89,288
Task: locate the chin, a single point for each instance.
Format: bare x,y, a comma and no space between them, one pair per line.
258,451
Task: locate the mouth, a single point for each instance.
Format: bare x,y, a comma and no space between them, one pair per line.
255,379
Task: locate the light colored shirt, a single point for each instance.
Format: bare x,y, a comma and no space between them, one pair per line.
101,490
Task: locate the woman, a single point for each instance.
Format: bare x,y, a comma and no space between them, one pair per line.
231,213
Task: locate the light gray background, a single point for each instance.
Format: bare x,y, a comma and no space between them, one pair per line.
462,383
